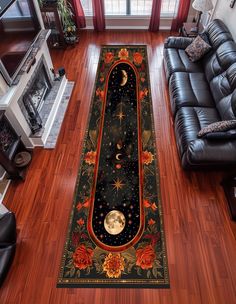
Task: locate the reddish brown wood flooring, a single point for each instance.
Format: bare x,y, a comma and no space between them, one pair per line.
199,234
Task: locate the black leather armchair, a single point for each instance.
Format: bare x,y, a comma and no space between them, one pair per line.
7,243
202,93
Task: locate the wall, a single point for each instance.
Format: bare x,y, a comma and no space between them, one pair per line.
228,15
131,22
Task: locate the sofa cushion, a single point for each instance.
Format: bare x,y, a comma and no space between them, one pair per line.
189,121
197,49
230,134
7,229
218,126
218,62
224,84
176,60
224,107
189,89
6,258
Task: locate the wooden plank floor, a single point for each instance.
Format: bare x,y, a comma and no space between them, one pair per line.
201,245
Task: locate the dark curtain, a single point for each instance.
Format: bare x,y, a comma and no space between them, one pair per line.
79,14
182,15
98,15
155,16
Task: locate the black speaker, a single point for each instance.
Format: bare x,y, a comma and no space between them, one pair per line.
61,72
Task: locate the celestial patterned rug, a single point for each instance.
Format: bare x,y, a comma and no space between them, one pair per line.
115,236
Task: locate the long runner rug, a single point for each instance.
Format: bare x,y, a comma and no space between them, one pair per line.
115,236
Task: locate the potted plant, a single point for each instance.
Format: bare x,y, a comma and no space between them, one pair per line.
66,14
69,27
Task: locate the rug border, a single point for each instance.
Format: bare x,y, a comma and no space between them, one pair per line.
124,283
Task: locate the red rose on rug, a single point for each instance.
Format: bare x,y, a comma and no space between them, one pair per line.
138,58
123,54
145,257
90,157
148,157
113,265
82,257
108,57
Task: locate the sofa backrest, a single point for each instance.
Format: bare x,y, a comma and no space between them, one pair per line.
220,67
223,88
223,50
218,33
224,106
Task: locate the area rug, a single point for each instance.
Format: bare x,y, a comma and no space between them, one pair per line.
115,236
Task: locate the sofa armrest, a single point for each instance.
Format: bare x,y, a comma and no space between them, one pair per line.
177,42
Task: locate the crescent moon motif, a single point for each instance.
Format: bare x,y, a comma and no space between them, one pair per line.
118,155
124,78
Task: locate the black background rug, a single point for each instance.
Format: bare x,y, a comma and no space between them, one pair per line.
115,236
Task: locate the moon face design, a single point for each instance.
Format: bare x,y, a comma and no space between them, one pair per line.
124,78
118,155
114,222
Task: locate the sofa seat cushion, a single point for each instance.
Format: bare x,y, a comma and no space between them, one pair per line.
189,89
176,60
189,121
6,258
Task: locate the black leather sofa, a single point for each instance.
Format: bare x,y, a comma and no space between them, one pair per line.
202,93
7,243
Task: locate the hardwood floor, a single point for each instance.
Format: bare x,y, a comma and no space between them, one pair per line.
200,241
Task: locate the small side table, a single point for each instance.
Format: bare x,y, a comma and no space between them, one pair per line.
186,29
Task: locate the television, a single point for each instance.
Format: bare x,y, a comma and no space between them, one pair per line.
19,29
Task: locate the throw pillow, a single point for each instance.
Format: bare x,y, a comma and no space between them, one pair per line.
218,126
230,134
197,49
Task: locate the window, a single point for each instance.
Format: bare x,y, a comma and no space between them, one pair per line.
18,9
131,7
87,7
168,7
128,7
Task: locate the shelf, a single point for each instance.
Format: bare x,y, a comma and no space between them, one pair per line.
52,21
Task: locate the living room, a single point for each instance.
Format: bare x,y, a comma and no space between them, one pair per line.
118,184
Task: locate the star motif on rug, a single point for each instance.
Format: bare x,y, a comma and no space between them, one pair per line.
120,116
118,184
